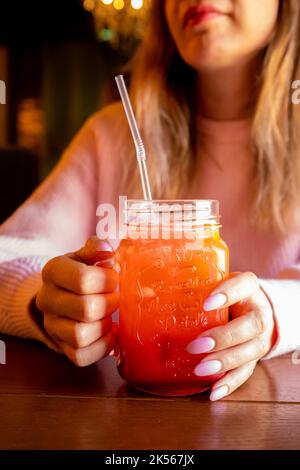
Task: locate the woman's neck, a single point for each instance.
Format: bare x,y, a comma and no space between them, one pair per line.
228,94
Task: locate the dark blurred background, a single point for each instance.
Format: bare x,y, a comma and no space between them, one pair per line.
58,65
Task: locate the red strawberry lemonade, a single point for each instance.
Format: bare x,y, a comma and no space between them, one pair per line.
163,284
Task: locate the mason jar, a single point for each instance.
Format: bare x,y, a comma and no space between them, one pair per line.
171,258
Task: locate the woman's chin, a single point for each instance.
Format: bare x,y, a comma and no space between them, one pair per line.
210,63
208,56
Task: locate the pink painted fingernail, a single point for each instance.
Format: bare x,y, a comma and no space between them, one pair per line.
104,246
201,345
208,368
219,392
214,301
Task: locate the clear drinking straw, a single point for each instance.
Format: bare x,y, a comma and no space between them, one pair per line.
139,146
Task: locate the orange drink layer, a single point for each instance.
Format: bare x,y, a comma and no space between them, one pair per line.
163,284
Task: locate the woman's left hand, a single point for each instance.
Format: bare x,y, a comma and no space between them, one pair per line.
235,348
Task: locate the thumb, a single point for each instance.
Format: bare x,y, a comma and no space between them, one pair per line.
96,251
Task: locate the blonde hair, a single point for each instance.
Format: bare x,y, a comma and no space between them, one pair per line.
162,88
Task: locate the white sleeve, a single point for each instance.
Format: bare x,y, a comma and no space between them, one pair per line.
284,294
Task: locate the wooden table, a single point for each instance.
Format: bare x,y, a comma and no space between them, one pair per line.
48,403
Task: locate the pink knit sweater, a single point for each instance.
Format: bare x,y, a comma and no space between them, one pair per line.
61,214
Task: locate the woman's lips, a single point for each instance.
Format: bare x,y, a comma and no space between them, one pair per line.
198,15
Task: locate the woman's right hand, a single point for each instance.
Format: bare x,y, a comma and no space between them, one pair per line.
77,300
